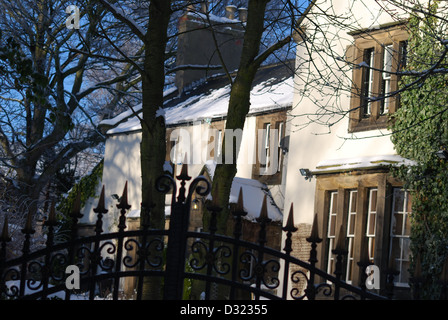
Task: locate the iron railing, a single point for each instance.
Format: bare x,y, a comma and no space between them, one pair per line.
175,255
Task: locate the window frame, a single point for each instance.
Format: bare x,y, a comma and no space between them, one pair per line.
280,126
274,120
331,229
376,40
371,212
364,182
266,145
403,238
386,78
351,234
367,85
218,144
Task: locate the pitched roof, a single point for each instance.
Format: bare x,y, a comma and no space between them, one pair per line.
272,90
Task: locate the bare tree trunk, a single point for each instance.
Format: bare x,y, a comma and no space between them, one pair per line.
239,103
153,146
238,109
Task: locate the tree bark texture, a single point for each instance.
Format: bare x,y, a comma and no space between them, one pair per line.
239,105
153,145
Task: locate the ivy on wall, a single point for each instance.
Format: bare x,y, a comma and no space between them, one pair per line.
420,128
87,187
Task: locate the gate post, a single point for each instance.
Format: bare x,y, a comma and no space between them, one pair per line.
175,255
177,234
314,240
4,238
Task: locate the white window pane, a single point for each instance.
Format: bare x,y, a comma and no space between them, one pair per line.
332,215
387,61
334,202
400,241
398,200
352,214
371,217
267,135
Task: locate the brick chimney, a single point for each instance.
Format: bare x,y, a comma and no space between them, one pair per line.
196,46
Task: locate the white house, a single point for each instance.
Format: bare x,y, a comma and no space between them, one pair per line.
195,117
332,115
199,116
339,142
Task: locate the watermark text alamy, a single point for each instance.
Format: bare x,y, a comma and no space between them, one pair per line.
199,144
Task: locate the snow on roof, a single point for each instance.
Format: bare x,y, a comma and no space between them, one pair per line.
368,162
253,194
207,102
204,18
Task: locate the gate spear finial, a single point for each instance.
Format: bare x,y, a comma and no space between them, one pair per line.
289,227
314,236
263,218
124,199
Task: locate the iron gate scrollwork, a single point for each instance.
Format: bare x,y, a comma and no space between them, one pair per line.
109,259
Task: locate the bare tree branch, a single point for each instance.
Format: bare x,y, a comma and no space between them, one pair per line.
120,15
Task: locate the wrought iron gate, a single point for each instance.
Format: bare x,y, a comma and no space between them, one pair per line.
174,255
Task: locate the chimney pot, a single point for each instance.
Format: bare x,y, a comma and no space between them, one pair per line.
242,14
230,12
204,6
190,6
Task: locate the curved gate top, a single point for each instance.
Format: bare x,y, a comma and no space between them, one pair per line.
174,260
